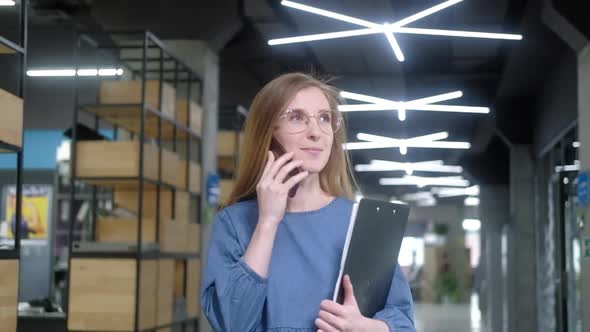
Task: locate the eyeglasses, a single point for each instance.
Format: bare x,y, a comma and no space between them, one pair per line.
297,121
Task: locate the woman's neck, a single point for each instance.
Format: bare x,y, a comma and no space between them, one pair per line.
310,196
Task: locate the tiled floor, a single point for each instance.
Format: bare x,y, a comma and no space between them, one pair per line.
448,318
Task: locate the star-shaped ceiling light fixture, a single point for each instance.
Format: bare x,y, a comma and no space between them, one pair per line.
432,141
423,104
420,181
435,166
388,29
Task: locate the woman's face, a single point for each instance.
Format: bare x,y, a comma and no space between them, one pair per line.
312,145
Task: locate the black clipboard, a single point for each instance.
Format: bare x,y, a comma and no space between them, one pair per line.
371,250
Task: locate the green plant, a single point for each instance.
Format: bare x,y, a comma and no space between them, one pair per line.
447,288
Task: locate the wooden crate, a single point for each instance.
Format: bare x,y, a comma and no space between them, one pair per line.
181,174
148,294
193,241
102,294
227,165
125,230
9,278
225,187
170,166
6,50
129,199
165,309
129,92
193,286
182,208
173,236
11,113
115,159
179,278
226,143
196,113
194,177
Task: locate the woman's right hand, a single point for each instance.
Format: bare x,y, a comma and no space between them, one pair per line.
272,189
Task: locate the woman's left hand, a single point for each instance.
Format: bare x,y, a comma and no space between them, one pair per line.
346,317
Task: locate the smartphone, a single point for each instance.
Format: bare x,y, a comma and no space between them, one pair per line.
278,150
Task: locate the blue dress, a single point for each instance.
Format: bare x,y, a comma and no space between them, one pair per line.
302,272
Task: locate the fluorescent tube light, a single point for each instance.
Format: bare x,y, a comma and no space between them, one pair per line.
471,225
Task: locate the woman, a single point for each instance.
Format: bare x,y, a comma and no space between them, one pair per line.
273,260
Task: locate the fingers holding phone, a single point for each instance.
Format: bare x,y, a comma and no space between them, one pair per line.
275,184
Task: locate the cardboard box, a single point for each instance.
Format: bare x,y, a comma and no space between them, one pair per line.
129,92
11,113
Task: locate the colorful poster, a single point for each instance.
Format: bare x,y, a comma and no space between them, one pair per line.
35,212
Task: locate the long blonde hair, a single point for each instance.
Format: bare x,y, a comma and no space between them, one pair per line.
336,177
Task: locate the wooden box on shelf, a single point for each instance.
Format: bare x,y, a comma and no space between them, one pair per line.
227,165
170,166
182,208
227,146
196,113
11,115
165,292
6,50
8,294
125,230
194,177
225,188
115,159
179,277
129,92
102,294
193,241
173,236
181,174
129,199
193,283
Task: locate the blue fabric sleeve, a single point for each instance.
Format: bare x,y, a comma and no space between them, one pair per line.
233,295
398,312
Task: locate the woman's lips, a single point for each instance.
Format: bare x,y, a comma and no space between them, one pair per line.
313,151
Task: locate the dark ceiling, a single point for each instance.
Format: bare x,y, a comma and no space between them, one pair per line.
503,75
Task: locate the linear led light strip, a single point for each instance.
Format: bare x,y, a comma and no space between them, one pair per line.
389,30
422,104
410,180
454,192
72,72
426,166
7,3
432,141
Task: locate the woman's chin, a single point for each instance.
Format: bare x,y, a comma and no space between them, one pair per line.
312,169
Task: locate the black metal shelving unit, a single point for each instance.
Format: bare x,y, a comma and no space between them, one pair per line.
11,50
155,62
